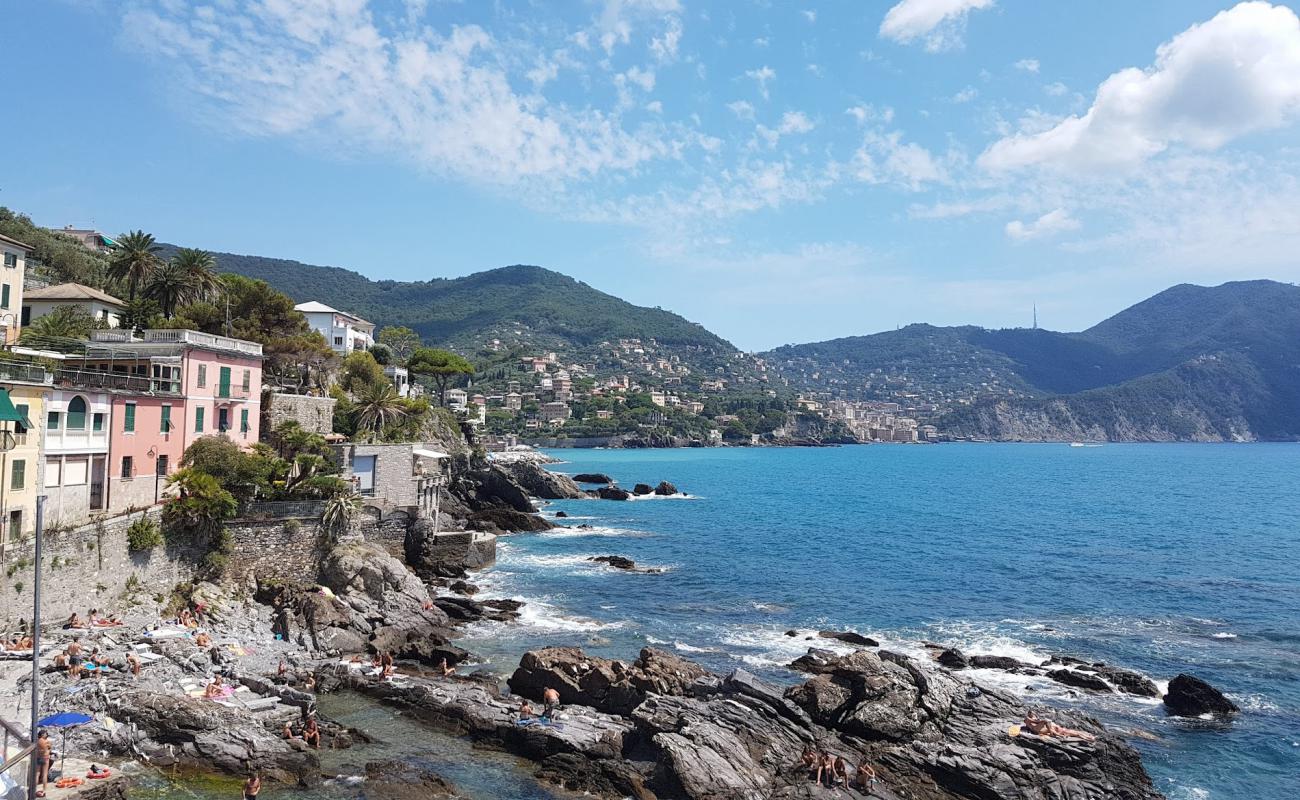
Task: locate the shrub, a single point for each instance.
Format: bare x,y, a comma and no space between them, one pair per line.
144,534
200,509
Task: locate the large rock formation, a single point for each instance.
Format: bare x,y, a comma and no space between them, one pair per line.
1189,696
613,687
539,481
194,732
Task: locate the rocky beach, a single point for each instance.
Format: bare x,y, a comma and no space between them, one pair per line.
652,724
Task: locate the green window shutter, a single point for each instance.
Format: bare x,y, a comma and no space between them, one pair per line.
223,386
243,420
97,423
23,410
52,420
166,425
198,420
128,421
4,296
19,475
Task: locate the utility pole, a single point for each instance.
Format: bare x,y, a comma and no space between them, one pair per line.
36,642
1035,316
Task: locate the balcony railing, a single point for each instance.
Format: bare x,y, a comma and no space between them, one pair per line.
232,392
180,337
97,379
20,371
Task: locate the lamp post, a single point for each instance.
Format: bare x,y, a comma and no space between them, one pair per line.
36,640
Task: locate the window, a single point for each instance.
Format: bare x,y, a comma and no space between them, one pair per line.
338,341
128,467
53,472
243,420
22,408
223,419
198,420
52,422
77,414
4,296
166,425
248,379
27,316
18,477
97,423
11,260
203,375
15,523
160,465
128,419
76,471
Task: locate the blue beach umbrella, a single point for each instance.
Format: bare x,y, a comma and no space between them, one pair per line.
64,720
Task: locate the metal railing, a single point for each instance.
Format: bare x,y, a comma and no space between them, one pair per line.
100,379
207,339
23,371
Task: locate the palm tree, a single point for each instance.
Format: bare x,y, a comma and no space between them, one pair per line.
201,267
378,405
170,286
134,260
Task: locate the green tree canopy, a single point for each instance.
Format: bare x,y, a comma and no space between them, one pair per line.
441,366
360,370
67,322
59,258
134,260
401,339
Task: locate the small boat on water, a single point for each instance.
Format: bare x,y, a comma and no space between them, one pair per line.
1083,444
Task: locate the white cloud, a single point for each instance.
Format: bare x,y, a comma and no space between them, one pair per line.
762,41
884,158
743,109
762,76
1027,64
1056,89
617,18
939,22
1049,224
654,107
792,123
326,73
664,47
966,95
1236,74
810,15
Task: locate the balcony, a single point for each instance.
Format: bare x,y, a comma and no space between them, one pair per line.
98,379
23,372
232,392
180,337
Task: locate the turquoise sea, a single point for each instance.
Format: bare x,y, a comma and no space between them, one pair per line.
1163,558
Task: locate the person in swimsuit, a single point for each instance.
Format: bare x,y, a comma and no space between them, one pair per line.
525,710
865,775
808,761
44,751
826,770
447,669
1044,727
252,786
215,688
840,772
133,663
550,699
311,733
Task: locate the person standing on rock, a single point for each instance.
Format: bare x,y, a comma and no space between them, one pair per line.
252,786
550,699
865,775
44,753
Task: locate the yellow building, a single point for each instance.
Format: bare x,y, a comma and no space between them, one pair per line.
22,408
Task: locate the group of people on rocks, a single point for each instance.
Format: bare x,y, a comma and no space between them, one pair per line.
830,770
92,620
310,732
550,703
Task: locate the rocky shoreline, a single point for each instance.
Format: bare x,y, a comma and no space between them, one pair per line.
657,726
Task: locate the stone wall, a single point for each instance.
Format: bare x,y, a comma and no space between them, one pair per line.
87,567
470,549
314,414
281,548
388,530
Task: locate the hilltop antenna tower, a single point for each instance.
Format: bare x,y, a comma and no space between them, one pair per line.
1035,316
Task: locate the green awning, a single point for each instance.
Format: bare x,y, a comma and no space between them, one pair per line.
10,414
107,241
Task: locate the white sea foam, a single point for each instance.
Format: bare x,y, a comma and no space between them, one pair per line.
547,560
1189,793
764,646
594,530
1223,636
678,496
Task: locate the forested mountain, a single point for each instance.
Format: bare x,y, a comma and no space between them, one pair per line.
519,304
1192,362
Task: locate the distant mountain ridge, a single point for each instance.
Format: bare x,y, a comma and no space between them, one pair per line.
526,305
1190,363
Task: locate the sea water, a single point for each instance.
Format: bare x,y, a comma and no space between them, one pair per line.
1161,558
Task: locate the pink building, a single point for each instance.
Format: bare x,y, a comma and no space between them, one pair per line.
168,388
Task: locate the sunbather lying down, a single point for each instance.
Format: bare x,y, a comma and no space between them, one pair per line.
1044,727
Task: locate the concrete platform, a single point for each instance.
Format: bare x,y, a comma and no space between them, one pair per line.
111,788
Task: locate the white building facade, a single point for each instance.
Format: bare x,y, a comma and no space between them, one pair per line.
344,332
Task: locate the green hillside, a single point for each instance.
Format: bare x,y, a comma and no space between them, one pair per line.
1192,362
520,305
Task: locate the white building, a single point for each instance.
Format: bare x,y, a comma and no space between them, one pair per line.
343,331
401,380
101,305
11,287
76,454
457,399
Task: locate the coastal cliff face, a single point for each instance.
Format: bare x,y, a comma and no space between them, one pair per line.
1058,420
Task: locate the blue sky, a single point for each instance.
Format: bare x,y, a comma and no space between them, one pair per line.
778,171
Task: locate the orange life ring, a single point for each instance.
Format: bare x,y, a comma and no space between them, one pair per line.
68,783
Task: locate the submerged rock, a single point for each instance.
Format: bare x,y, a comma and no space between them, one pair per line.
405,780
1189,696
617,562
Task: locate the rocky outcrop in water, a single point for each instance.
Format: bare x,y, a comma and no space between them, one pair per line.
507,520
1189,696
593,477
403,780
665,489
539,481
613,687
612,493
